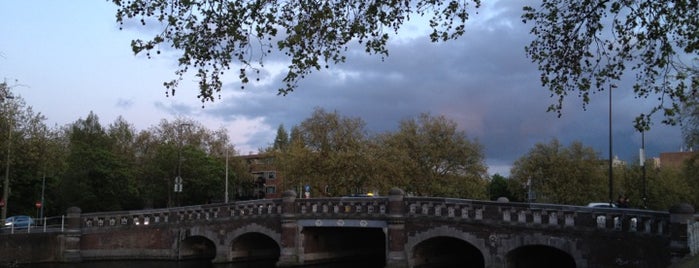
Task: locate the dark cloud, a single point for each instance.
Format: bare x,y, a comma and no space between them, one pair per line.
483,81
124,103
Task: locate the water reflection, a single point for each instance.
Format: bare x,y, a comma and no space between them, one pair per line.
148,264
187,264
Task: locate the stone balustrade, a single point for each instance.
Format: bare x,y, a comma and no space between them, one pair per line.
540,215
347,207
450,209
211,212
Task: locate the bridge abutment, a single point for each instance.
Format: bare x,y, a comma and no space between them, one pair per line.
289,252
680,216
71,237
396,256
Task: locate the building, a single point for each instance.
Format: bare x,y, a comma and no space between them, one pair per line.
268,182
674,160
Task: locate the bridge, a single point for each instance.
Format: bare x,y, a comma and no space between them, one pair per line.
395,230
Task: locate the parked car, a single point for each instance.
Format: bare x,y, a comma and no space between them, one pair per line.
19,222
601,205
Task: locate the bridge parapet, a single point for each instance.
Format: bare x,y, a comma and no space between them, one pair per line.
540,215
242,209
345,207
254,208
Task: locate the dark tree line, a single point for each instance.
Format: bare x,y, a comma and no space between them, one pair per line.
336,156
114,167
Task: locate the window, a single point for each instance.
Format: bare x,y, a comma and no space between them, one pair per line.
271,175
271,190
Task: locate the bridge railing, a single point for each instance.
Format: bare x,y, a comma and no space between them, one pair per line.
344,207
531,215
540,215
693,235
164,216
39,225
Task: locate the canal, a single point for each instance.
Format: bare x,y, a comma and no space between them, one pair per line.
190,264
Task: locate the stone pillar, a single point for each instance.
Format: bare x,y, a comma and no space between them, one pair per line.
71,236
396,256
680,217
289,255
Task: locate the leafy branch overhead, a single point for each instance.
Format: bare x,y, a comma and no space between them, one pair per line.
586,46
216,36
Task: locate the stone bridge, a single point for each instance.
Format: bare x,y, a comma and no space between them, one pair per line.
395,231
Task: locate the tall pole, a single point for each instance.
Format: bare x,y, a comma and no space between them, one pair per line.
643,167
6,183
225,198
178,179
43,187
611,161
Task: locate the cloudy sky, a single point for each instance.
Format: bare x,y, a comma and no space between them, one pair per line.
70,58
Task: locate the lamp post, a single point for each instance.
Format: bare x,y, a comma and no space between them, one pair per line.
643,167
225,196
178,179
611,163
6,182
43,188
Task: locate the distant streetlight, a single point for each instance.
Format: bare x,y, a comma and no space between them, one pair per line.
6,183
225,196
43,189
642,157
178,179
611,172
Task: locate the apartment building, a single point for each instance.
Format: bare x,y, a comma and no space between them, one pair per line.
268,182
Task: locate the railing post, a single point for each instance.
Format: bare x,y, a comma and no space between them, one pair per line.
681,216
71,236
396,256
289,255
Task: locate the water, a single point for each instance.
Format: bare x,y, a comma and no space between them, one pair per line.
184,264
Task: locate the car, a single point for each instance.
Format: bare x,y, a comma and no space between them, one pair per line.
601,205
19,222
362,195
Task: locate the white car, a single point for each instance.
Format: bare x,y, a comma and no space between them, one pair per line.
601,205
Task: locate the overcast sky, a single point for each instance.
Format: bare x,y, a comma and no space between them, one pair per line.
71,58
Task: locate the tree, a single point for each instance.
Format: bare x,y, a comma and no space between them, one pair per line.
215,36
281,141
34,153
122,139
690,124
564,175
587,46
96,179
329,153
667,187
498,188
438,160
691,173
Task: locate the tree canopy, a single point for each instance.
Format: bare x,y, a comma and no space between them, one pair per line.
556,174
216,36
586,46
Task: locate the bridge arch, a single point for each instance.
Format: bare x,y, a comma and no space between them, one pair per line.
253,243
530,256
197,247
445,246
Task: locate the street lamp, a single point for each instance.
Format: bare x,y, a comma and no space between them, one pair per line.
611,172
225,196
6,183
178,179
642,157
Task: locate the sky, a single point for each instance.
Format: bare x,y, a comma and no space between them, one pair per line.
69,58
